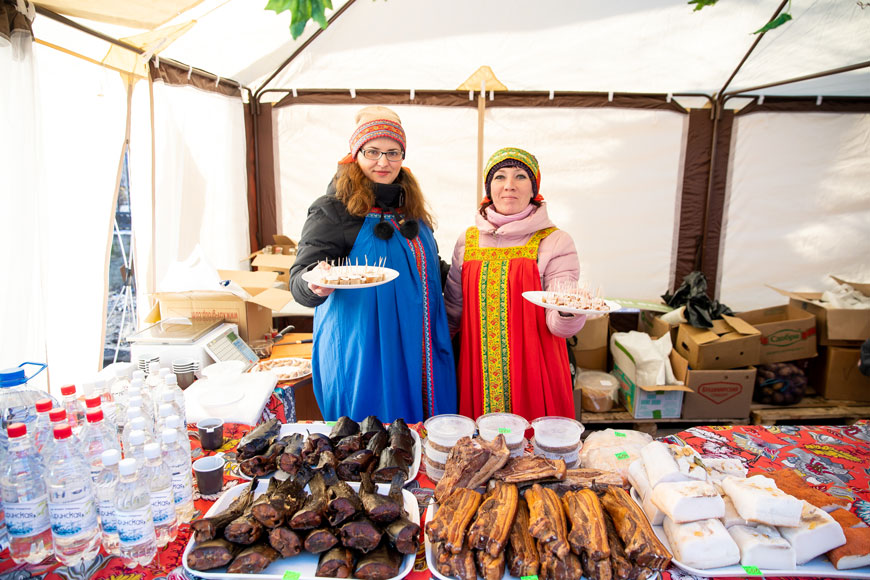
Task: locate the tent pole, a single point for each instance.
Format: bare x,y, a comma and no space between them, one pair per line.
481,111
299,50
808,77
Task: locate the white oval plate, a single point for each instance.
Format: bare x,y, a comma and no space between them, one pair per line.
535,297
305,563
313,276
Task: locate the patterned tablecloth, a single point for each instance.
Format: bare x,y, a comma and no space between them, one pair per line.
832,459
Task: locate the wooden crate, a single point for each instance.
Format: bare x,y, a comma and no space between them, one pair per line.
620,416
818,409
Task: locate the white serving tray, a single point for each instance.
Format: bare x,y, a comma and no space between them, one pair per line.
305,563
819,567
325,428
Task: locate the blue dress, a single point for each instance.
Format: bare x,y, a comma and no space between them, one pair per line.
386,350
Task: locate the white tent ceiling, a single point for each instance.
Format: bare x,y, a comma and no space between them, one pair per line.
639,46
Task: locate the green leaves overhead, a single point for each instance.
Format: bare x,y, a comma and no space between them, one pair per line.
302,11
776,22
699,4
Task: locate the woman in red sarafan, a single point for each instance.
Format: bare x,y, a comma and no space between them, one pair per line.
513,356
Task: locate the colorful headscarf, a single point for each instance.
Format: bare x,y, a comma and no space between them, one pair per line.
514,157
373,123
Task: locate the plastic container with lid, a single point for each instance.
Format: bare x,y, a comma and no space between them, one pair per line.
445,430
18,399
433,473
434,454
557,434
598,391
513,427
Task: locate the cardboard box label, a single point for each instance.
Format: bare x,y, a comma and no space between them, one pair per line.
719,392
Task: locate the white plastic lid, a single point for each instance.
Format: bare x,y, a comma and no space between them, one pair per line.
133,412
169,435
167,396
153,367
152,450
166,409
597,381
136,385
137,437
135,401
163,372
557,432
138,374
138,423
513,427
171,379
110,457
173,421
127,466
446,430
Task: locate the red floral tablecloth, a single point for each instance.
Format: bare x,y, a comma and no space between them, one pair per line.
832,459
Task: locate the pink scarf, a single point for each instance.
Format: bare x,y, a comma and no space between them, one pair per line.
498,220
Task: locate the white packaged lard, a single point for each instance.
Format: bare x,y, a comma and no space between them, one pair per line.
638,479
763,547
816,533
731,517
688,501
652,511
757,499
660,464
703,544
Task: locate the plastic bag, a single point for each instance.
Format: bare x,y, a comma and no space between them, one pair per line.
701,310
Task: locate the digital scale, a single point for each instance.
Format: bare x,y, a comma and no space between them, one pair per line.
204,341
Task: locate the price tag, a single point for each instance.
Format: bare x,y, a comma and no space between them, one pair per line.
528,578
330,423
290,575
622,455
619,433
505,430
752,570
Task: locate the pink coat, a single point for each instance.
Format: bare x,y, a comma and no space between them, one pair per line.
557,260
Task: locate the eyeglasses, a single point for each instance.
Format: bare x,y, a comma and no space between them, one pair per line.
374,154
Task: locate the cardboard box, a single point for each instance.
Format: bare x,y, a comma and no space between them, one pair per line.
652,324
648,402
590,344
835,326
278,263
717,394
837,375
731,343
254,316
787,332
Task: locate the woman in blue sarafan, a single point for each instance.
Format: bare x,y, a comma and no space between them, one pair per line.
383,350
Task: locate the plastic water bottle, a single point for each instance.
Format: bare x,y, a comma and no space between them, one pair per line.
135,448
106,484
4,536
25,498
72,503
118,387
159,477
18,399
171,386
42,432
153,383
139,424
56,417
177,460
138,542
168,398
94,403
97,437
173,422
75,411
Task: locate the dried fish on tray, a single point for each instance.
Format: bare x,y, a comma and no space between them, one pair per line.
305,563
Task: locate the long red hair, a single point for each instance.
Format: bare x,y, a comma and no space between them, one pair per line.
356,192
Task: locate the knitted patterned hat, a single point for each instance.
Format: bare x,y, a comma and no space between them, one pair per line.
514,157
373,123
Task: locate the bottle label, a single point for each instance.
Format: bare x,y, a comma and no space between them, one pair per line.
27,518
73,518
135,526
107,516
181,487
163,506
